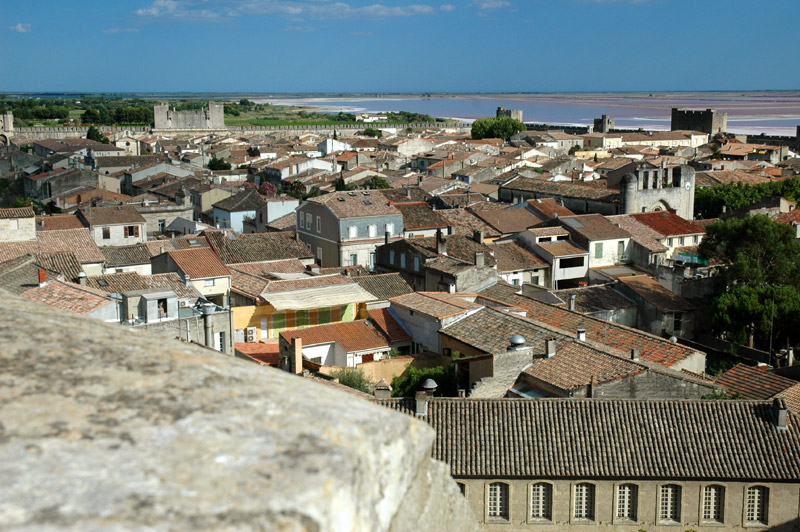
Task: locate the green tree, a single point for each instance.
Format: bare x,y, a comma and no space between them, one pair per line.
372,132
503,127
411,381
376,182
218,164
298,189
760,267
353,378
94,134
340,184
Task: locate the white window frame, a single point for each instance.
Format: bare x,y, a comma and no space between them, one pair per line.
390,228
669,501
546,502
586,511
629,506
712,504
309,220
352,232
501,510
756,506
319,224
372,231
208,283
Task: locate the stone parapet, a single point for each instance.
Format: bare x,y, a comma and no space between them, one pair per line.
104,427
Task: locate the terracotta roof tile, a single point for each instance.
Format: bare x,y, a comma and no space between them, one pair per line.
79,241
652,348
351,336
654,293
199,263
511,256
667,223
354,204
256,247
70,297
126,255
118,215
125,282
384,321
753,382
385,285
435,304
420,216
21,212
58,222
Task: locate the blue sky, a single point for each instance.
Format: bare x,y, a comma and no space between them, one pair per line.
274,46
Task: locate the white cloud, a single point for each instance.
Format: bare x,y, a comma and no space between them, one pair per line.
447,7
114,31
317,9
20,28
489,5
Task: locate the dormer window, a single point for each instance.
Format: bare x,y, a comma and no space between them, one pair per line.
352,232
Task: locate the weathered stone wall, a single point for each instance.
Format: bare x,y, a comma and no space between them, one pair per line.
708,121
105,428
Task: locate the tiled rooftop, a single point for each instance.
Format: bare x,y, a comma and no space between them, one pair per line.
351,336
667,223
435,304
511,256
79,241
199,263
652,348
120,214
125,282
356,204
654,293
384,321
575,366
256,247
385,285
612,439
70,297
753,382
126,255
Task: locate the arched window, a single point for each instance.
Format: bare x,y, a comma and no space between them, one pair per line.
669,504
714,504
541,501
627,502
497,504
756,504
583,503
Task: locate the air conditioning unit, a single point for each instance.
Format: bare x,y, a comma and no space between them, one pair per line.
183,303
251,335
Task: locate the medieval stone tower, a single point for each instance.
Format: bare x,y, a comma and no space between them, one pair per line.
6,127
512,113
211,119
659,189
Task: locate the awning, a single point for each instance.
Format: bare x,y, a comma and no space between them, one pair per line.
318,297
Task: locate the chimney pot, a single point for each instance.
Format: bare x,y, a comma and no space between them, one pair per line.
42,276
550,347
421,400
582,335
781,412
572,302
634,354
479,259
462,393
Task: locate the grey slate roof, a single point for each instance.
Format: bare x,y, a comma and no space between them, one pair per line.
247,200
256,247
612,439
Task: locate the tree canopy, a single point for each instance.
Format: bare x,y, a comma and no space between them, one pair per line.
377,182
411,381
503,127
760,267
94,134
218,164
708,201
372,132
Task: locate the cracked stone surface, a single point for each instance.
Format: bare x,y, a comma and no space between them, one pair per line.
102,427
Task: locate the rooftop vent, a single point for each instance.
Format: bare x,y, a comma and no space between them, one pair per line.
351,194
340,198
367,202
516,342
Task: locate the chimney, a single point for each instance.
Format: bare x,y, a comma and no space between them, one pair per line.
441,243
462,393
82,278
297,358
208,310
419,180
408,193
780,412
421,399
383,390
450,229
572,302
188,280
634,354
386,237
582,335
477,235
479,259
550,347
42,276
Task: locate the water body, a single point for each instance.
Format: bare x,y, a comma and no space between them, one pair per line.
774,113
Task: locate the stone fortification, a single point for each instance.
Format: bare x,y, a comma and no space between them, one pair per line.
168,120
106,428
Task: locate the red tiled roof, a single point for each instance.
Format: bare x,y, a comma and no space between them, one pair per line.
21,212
436,304
388,325
652,348
667,223
753,382
79,241
199,263
263,353
58,222
70,297
351,336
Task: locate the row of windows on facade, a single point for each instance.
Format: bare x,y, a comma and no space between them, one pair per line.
403,260
626,503
131,231
307,222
